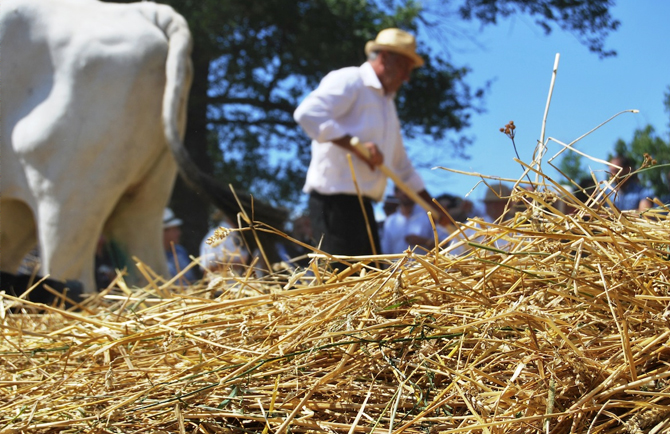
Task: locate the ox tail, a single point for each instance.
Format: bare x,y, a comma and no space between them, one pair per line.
179,75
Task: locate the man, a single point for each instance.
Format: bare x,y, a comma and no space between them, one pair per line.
357,103
496,202
175,253
459,208
407,227
497,209
631,194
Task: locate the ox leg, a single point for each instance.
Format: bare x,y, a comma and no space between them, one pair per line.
68,239
18,234
136,223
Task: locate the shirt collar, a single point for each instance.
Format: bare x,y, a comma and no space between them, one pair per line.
370,78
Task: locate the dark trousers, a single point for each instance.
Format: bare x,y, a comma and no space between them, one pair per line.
339,218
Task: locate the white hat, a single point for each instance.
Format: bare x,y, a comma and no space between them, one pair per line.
397,41
169,219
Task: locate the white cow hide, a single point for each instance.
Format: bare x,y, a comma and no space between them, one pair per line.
92,97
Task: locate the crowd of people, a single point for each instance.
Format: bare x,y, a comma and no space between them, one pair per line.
405,225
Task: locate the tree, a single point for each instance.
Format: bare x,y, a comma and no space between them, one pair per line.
646,141
255,60
590,21
571,166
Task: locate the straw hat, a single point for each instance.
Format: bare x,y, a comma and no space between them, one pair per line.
169,219
497,193
397,41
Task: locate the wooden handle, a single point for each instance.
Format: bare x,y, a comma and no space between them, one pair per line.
356,143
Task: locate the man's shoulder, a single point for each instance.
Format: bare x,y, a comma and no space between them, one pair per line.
352,79
349,74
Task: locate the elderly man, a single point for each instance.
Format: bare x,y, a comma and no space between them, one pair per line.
357,103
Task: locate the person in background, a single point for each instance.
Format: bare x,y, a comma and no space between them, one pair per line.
389,206
586,189
496,202
176,255
228,253
104,264
407,227
666,197
293,254
356,105
630,194
459,209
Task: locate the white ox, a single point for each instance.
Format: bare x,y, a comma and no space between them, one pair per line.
93,98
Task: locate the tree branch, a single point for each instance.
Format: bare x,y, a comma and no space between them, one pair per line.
258,122
254,102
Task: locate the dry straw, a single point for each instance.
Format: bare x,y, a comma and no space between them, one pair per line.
553,321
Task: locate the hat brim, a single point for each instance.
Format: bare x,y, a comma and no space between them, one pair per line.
373,46
172,223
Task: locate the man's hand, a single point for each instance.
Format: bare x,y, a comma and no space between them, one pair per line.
366,151
370,153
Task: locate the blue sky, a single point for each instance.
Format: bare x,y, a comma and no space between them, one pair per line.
519,58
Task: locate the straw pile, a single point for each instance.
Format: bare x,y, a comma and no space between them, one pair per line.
551,323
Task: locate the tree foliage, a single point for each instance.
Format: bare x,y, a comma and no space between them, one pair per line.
571,166
646,141
590,21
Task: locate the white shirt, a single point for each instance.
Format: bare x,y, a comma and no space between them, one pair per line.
397,227
352,101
